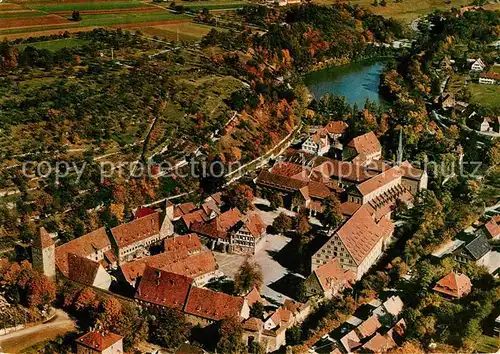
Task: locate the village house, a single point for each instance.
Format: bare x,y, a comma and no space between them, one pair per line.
477,65
357,244
317,143
218,229
132,240
247,234
88,272
183,255
492,227
270,340
453,286
489,78
488,124
99,342
363,149
478,250
328,280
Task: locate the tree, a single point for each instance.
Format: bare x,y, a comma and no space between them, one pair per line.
275,200
239,196
332,215
257,310
168,328
302,224
75,16
282,223
110,313
249,276
230,336
40,291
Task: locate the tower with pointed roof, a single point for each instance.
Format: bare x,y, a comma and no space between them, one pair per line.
43,254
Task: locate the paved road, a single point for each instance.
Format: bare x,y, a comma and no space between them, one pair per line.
15,342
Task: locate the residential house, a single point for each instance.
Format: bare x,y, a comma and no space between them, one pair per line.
489,123
368,327
477,65
478,250
282,317
453,286
448,101
95,246
248,232
328,280
87,272
489,78
253,297
317,143
218,229
364,148
132,240
99,342
336,129
358,243
492,227
183,209
269,340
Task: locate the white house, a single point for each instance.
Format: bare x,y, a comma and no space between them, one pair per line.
478,65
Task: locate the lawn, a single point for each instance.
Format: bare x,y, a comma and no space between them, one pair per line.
87,6
56,44
488,344
486,95
213,7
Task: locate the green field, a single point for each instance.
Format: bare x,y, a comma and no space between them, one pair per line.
488,344
128,18
486,95
21,14
198,7
90,6
188,31
56,44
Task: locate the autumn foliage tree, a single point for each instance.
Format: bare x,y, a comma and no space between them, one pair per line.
249,276
239,196
230,336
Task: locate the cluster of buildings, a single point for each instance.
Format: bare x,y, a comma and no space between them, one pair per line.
369,188
375,327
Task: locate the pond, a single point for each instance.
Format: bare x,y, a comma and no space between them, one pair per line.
356,82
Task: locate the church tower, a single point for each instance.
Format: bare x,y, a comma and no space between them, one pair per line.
43,254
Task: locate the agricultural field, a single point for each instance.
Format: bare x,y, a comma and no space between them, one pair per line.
24,19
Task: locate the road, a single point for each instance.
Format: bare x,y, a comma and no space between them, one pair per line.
15,342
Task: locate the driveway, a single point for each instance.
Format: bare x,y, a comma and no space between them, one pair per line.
15,342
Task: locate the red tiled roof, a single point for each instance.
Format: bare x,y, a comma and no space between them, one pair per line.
219,226
361,233
191,266
184,244
255,225
343,170
195,216
82,246
453,284
350,341
379,344
141,212
331,273
336,127
494,76
163,288
136,230
43,240
278,181
368,327
349,208
380,180
365,144
187,207
253,324
81,269
253,297
287,169
213,305
99,340
492,228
